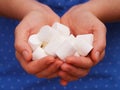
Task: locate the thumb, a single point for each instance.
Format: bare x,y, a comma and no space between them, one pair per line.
99,44
21,42
63,82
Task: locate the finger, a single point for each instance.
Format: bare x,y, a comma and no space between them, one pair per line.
73,71
52,76
21,60
99,44
36,66
52,68
23,31
66,76
21,42
80,62
63,82
102,55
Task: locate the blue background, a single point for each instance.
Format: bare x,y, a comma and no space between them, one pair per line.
106,75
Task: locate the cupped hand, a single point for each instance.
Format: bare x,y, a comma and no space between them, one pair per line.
82,21
46,67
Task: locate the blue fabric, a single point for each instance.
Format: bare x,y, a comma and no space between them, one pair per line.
106,75
61,6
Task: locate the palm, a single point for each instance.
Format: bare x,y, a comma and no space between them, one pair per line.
84,22
31,24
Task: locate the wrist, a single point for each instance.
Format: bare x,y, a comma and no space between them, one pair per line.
103,10
18,9
92,7
31,6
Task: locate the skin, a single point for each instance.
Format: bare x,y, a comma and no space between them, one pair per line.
83,22
29,12
82,19
47,67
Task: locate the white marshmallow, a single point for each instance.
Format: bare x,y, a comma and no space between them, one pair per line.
52,46
55,35
34,41
38,54
72,39
82,47
45,34
64,30
66,48
86,37
76,54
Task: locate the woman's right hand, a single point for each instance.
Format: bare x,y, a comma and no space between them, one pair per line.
46,67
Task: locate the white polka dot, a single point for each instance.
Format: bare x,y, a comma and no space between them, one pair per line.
106,85
8,65
2,35
116,85
1,50
101,78
4,72
5,57
59,3
96,72
118,62
90,79
111,78
12,87
96,86
80,80
75,87
110,63
9,79
54,88
65,87
114,70
49,81
32,88
22,88
14,73
18,80
9,50
43,88
1,64
28,81
38,82
85,86
106,71
2,86
119,77
101,64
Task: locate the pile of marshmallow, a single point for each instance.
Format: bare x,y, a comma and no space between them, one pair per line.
57,41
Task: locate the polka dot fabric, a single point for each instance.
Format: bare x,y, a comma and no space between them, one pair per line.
104,76
61,6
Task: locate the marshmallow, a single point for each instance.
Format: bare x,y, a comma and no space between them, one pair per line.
43,45
82,46
52,46
38,54
45,34
66,48
64,30
34,41
57,41
76,54
86,37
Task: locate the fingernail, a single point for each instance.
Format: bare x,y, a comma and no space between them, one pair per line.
97,55
25,54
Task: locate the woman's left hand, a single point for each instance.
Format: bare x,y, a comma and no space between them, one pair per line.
82,21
